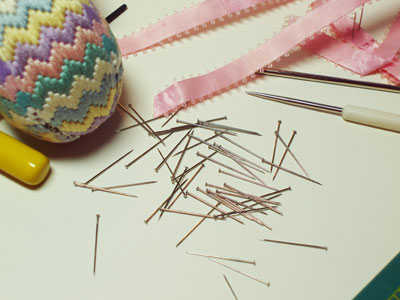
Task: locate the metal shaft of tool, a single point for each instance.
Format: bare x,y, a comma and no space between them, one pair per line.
332,80
298,102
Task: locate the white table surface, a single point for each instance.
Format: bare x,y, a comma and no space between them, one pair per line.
47,234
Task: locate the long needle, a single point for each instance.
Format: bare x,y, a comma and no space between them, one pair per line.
332,80
251,262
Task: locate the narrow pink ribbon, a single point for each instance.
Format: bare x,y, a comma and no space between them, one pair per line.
190,18
195,89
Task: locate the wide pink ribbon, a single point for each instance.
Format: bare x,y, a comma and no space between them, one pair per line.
357,50
359,53
195,89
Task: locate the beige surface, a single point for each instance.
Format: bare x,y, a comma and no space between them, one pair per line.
47,234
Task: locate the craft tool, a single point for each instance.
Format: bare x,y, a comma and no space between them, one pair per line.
212,206
128,185
95,188
22,162
195,227
138,124
147,151
350,113
166,201
170,153
171,117
230,287
280,191
108,167
223,165
170,170
95,244
116,13
197,144
331,80
276,142
240,272
266,161
196,165
251,262
227,128
205,127
185,127
180,212
145,123
142,124
291,153
284,155
181,157
296,244
240,178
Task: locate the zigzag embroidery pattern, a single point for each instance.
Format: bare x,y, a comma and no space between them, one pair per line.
60,68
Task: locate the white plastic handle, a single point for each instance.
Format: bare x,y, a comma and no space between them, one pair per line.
371,117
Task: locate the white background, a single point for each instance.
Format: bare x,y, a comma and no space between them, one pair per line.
47,234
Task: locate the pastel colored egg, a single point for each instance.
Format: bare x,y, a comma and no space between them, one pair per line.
60,68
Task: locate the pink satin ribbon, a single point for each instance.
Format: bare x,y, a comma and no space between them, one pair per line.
363,58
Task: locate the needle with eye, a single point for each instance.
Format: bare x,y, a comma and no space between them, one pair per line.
351,113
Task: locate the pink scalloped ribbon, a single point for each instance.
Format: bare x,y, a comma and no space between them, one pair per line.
360,57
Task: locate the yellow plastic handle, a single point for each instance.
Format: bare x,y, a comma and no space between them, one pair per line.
22,162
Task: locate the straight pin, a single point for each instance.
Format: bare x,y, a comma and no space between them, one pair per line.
251,262
205,127
223,165
145,123
194,228
141,124
95,244
170,153
240,272
171,117
230,287
166,201
212,206
128,185
187,185
197,144
138,124
181,157
296,244
169,168
242,178
94,188
227,128
361,17
195,165
291,153
108,167
180,212
147,151
276,142
284,154
186,127
354,25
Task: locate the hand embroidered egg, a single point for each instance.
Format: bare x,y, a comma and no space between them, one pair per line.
60,68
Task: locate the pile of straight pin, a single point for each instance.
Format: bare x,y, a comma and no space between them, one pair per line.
225,201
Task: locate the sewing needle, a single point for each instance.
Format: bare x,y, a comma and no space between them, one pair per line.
351,113
331,80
